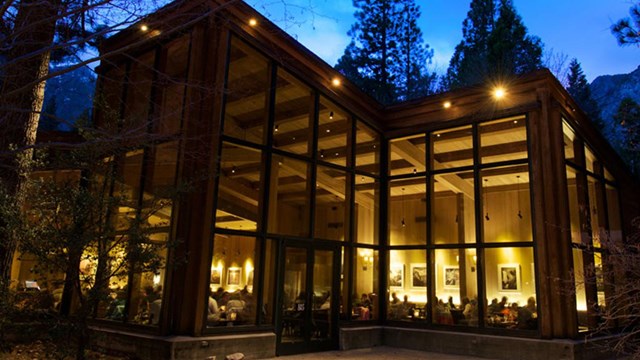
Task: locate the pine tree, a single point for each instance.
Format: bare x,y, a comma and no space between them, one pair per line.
628,118
469,63
495,45
627,30
413,78
386,56
511,49
578,88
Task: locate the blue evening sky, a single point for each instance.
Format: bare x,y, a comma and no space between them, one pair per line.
575,28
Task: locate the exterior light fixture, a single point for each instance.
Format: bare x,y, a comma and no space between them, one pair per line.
446,104
144,27
331,115
336,82
275,129
499,93
253,22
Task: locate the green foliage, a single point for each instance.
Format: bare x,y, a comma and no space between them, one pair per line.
495,46
627,30
387,57
578,87
628,118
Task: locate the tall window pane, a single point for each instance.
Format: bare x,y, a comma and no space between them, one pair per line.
245,107
407,282
510,286
172,85
239,188
289,197
232,281
366,210
138,102
331,211
456,285
506,204
574,207
569,136
365,285
452,148
293,108
453,208
333,130
367,149
408,212
503,140
407,155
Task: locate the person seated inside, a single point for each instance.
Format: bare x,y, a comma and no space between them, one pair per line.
363,307
213,311
527,318
234,307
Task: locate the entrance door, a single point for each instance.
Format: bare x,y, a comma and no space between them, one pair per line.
308,299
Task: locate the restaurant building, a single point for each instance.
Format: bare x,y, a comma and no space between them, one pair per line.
319,219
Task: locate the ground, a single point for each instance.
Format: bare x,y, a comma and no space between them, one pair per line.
45,350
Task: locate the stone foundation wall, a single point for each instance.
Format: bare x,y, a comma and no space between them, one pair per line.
148,347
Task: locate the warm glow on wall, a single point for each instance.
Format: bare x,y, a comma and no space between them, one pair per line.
499,93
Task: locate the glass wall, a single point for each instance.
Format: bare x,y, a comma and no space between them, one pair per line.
320,179
595,225
145,189
460,230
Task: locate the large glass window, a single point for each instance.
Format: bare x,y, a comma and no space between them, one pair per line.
366,210
239,188
407,155
408,212
245,111
452,148
453,208
172,85
331,210
456,287
140,80
408,274
506,204
367,149
333,131
503,140
365,285
232,281
510,285
289,197
293,108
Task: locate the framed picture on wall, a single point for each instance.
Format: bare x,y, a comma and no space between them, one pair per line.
451,278
509,277
396,275
233,276
419,275
216,277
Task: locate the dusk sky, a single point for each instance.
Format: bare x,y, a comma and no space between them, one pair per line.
577,29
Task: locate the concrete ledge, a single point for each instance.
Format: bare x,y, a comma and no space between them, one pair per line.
494,347
144,346
360,337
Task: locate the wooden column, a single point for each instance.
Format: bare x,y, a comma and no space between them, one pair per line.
551,221
190,276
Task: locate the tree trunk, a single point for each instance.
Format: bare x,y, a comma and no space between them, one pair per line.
21,98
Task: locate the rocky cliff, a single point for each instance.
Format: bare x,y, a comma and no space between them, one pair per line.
609,90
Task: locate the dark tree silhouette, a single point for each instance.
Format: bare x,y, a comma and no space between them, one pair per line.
387,57
627,30
495,45
578,87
